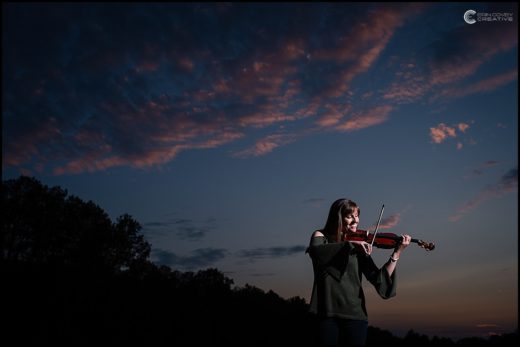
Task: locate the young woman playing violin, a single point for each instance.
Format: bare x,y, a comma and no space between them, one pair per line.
338,263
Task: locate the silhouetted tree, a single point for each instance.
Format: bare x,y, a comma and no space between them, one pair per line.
504,340
30,221
441,342
130,248
415,339
379,337
43,225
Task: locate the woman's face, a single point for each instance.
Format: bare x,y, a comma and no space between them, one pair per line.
351,221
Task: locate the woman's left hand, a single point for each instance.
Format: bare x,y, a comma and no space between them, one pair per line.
403,244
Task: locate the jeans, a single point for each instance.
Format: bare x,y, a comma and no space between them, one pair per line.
342,332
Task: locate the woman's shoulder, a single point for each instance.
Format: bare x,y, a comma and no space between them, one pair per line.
318,233
317,239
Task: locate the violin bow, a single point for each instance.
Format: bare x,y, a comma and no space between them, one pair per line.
377,225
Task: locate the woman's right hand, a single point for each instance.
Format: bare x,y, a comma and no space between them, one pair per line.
362,246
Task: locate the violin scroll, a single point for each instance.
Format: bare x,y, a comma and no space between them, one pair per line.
429,246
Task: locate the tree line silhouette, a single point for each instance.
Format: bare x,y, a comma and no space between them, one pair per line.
71,275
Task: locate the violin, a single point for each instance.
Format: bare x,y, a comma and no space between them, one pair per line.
384,240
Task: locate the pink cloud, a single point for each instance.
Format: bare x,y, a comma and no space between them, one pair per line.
409,85
375,116
158,131
390,221
28,146
449,73
361,47
441,132
293,49
266,145
368,37
462,126
333,115
256,91
263,74
102,160
483,86
86,165
487,325
186,63
308,111
147,66
264,119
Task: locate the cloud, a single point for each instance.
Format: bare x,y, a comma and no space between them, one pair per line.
266,145
204,257
508,183
271,252
95,97
478,171
101,97
199,258
483,86
360,48
372,117
497,329
184,229
386,223
453,59
390,221
315,201
333,115
439,133
487,325
409,86
442,131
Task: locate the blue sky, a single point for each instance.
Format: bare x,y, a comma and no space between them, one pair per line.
227,130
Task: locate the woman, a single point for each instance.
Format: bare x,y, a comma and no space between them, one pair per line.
337,295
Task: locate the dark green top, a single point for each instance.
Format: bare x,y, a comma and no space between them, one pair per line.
338,269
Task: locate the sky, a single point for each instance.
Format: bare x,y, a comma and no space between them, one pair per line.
227,130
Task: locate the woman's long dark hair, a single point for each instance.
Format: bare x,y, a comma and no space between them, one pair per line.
339,209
